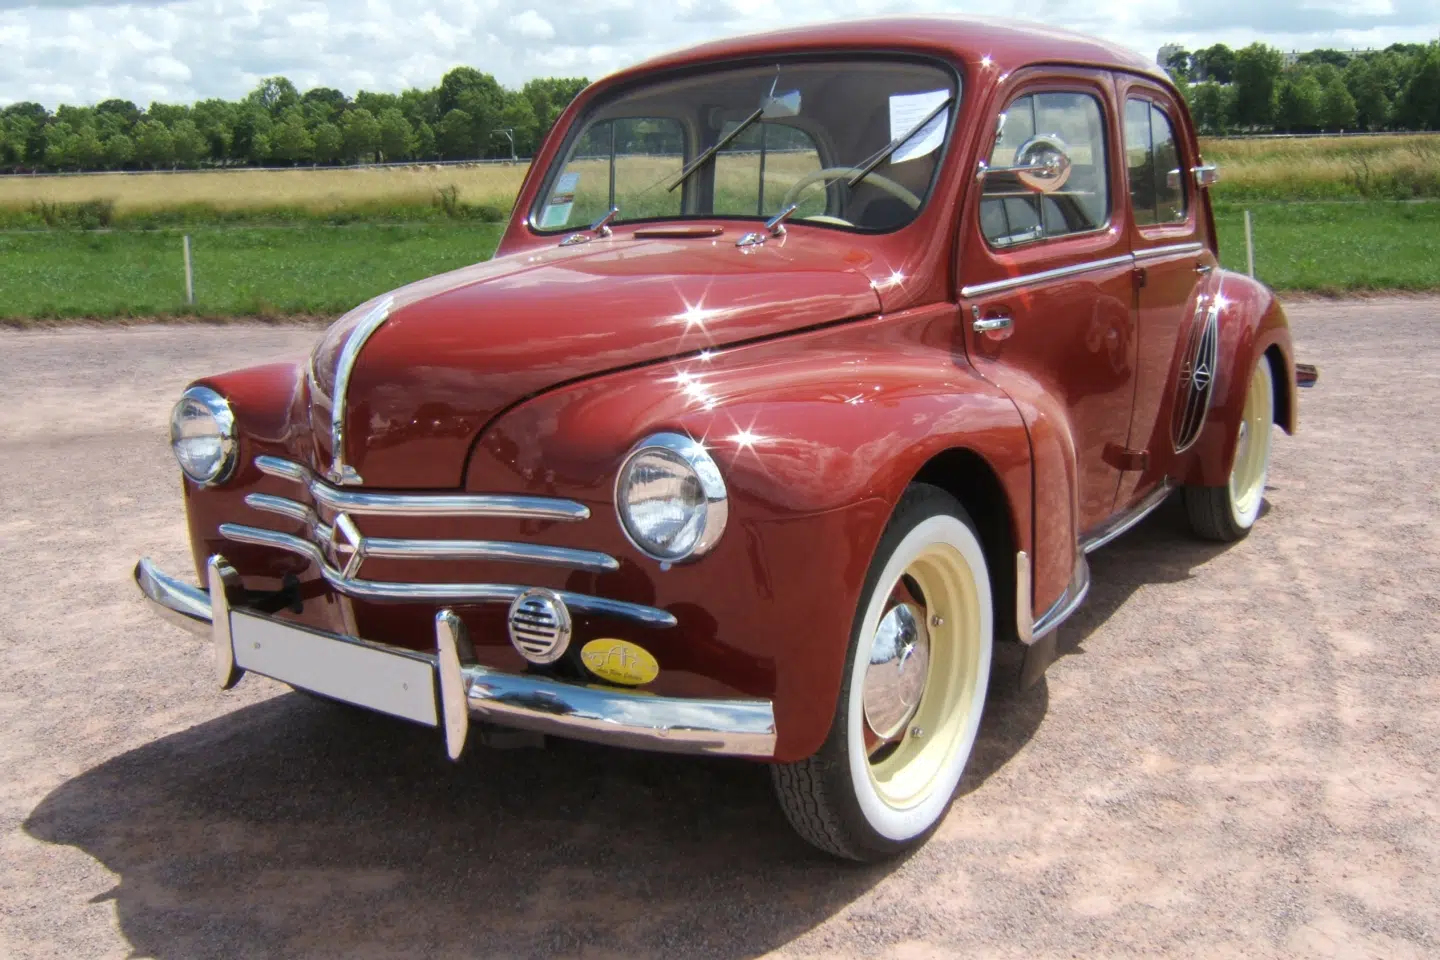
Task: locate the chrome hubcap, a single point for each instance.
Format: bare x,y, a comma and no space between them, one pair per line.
899,667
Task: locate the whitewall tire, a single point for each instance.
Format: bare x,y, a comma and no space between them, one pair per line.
1227,513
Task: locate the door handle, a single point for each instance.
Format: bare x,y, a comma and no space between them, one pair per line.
1203,269
1002,321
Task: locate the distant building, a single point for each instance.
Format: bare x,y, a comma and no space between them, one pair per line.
1166,52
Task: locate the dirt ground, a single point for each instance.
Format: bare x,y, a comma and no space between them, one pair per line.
1237,753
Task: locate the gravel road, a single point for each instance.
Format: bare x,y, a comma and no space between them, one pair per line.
1237,753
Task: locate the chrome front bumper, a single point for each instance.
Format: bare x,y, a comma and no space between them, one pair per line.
742,728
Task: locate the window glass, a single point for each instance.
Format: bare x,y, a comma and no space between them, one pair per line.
1152,154
764,135
1013,212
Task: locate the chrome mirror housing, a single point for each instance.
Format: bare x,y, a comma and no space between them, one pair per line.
1206,175
1042,164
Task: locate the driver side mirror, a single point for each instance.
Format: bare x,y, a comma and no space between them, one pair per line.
1042,165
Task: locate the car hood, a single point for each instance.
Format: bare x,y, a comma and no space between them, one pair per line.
455,350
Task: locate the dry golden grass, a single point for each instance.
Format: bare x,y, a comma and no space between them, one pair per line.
1325,167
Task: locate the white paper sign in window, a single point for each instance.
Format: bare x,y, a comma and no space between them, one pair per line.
908,109
562,201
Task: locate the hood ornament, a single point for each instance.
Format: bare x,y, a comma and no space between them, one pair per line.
339,471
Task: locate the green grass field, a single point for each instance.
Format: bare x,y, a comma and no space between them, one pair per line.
318,270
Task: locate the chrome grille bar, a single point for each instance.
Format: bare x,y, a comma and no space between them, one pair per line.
422,504
452,592
408,549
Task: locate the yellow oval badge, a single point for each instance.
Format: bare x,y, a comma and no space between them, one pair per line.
619,661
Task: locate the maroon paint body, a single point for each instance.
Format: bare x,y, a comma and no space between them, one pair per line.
850,357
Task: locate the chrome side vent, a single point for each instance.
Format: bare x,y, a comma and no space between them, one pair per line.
540,625
1197,380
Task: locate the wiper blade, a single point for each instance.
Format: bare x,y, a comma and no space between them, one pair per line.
883,154
720,144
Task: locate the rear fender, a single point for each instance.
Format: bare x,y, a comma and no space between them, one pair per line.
1253,327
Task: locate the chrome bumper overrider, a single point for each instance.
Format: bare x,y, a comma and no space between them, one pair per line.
736,727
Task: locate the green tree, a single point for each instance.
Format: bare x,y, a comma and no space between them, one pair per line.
1208,105
1337,106
60,142
154,145
1257,78
89,150
250,136
518,117
1299,102
274,95
329,144
453,138
216,122
1214,63
1178,65
290,141
190,144
425,141
1418,106
480,97
167,113
323,104
1367,87
122,112
119,150
361,134
397,137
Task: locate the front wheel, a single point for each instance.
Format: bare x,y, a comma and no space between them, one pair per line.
915,680
1227,513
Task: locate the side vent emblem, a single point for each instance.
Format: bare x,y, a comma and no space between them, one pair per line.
1197,379
540,625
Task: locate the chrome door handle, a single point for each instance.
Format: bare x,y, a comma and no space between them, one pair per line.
1203,269
990,324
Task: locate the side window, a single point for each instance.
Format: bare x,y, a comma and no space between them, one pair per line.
613,164
1152,154
1013,212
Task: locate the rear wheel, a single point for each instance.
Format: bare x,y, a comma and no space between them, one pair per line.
1227,513
914,689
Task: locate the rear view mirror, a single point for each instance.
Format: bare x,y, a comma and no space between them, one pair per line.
1042,164
782,106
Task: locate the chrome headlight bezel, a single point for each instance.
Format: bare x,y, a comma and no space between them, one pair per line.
686,453
218,409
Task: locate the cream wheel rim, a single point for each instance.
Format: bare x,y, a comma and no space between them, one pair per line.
1252,447
920,685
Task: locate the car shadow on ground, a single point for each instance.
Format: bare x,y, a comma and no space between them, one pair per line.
295,827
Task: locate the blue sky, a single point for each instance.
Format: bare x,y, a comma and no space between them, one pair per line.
83,51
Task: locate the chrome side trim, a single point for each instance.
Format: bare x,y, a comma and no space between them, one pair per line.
455,592
610,715
1044,276
1024,614
185,606
1173,249
339,472
1069,601
422,504
406,549
1120,524
737,728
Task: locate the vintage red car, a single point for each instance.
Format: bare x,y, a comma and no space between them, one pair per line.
809,368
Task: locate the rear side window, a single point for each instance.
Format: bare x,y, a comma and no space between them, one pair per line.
1152,154
1010,211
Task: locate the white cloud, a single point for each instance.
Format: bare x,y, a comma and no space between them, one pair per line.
87,50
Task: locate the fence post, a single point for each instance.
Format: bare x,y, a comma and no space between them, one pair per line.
1249,246
190,278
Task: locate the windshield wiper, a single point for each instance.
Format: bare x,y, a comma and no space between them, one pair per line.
883,154
720,144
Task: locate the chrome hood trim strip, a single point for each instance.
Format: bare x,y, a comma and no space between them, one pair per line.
422,504
339,471
456,592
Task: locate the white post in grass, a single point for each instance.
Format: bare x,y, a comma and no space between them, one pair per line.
1249,245
190,278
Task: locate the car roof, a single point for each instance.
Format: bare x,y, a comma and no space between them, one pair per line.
1004,45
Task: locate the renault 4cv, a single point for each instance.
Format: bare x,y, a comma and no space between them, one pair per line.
808,369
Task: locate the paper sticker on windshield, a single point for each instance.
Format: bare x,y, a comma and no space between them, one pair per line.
908,109
562,201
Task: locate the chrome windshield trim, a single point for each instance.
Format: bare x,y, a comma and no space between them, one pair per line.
456,592
339,472
1174,249
422,504
1044,276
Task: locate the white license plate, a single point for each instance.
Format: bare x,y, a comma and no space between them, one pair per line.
357,673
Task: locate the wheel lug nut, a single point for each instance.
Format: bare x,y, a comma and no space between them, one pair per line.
917,732
936,620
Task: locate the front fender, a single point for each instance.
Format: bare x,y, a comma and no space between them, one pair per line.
817,436
1252,324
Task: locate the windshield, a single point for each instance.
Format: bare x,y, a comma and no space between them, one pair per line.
854,144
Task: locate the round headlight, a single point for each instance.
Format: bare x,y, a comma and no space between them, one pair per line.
670,498
202,434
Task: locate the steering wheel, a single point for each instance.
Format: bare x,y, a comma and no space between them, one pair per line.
835,173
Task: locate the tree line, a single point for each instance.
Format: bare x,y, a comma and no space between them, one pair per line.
1255,89
471,116
468,116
